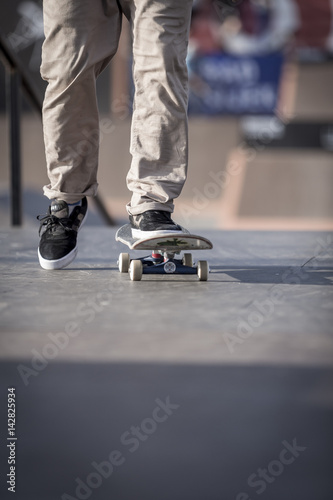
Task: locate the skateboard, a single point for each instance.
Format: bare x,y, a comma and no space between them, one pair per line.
163,250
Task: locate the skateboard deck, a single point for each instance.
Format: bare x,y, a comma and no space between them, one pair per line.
170,242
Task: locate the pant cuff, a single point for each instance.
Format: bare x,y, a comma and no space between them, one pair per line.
53,194
153,205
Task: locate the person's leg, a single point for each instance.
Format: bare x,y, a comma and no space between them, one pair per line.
81,37
159,125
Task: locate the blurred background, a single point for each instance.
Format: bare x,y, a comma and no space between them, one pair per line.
261,117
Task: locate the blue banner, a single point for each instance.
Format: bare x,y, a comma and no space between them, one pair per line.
226,84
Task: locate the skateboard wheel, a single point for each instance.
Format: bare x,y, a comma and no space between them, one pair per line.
187,260
135,270
124,262
202,270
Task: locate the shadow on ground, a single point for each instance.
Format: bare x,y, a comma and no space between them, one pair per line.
277,275
223,424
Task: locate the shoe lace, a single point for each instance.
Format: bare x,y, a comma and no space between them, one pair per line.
50,222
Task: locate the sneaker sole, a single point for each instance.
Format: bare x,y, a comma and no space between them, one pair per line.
57,263
51,265
137,234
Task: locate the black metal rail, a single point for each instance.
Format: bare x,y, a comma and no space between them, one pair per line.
17,78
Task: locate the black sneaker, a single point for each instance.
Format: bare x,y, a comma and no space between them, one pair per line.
153,223
58,234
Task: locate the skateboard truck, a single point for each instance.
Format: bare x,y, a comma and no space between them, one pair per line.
166,264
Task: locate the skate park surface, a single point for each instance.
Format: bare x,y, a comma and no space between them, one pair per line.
242,364
171,388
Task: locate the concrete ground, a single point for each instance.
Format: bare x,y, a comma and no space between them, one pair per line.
170,388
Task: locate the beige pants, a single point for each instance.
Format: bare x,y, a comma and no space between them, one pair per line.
81,38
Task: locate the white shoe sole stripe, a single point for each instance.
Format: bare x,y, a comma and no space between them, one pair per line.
57,263
137,234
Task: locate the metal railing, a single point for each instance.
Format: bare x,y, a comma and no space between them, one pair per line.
17,78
